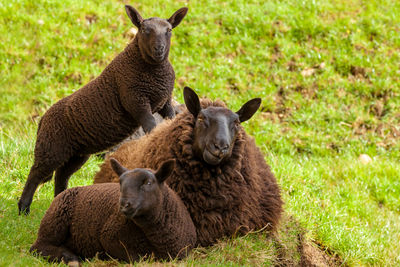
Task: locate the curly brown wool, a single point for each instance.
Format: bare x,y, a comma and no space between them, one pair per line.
237,196
83,222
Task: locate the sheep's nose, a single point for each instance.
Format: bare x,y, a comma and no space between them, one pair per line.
221,148
159,48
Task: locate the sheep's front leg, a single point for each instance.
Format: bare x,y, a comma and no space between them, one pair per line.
167,110
58,253
140,110
146,120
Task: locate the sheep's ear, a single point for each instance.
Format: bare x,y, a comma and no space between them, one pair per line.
117,167
177,17
192,101
134,15
247,110
165,170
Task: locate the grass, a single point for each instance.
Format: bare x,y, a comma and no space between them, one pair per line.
328,74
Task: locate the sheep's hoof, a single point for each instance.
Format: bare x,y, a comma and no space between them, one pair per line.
23,209
74,264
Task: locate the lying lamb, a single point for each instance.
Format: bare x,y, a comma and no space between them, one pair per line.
139,217
137,83
220,175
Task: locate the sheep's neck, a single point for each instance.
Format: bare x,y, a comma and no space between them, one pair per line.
164,227
154,218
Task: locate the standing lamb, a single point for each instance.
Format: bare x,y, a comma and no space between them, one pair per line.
141,216
137,83
221,175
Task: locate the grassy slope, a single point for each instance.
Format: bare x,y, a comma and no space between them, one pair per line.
328,73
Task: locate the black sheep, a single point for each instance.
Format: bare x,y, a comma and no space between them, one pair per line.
137,83
140,216
221,175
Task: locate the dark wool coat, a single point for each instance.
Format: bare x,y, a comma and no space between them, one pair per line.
87,221
234,197
107,109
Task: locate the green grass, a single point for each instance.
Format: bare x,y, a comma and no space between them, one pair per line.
328,74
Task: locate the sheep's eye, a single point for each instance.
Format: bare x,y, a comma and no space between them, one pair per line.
148,183
145,31
236,124
202,122
169,30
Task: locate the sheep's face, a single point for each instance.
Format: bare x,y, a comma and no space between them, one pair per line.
216,128
215,132
141,190
154,34
140,193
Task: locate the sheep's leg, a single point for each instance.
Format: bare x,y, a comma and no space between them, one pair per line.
167,111
140,110
146,119
35,177
63,173
54,253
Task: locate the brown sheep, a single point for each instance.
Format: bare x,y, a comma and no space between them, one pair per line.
137,83
221,175
141,216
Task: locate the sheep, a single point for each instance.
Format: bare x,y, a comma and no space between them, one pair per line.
221,175
138,217
137,83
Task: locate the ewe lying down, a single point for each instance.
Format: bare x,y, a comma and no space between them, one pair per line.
141,216
136,84
220,174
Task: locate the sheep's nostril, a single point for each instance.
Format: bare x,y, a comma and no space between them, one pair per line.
221,147
159,49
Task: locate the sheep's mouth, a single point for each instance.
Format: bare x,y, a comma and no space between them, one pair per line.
210,158
130,213
158,57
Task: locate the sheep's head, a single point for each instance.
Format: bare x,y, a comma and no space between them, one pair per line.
141,189
216,128
154,34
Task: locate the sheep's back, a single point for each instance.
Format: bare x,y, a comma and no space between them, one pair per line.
97,117
147,152
93,206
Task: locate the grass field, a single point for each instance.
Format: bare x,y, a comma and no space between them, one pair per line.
329,76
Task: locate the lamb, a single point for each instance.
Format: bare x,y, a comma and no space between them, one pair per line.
221,175
137,83
139,217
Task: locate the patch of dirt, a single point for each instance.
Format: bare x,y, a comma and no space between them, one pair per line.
233,85
280,112
378,108
313,70
308,92
91,18
314,256
276,55
293,249
74,77
358,71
